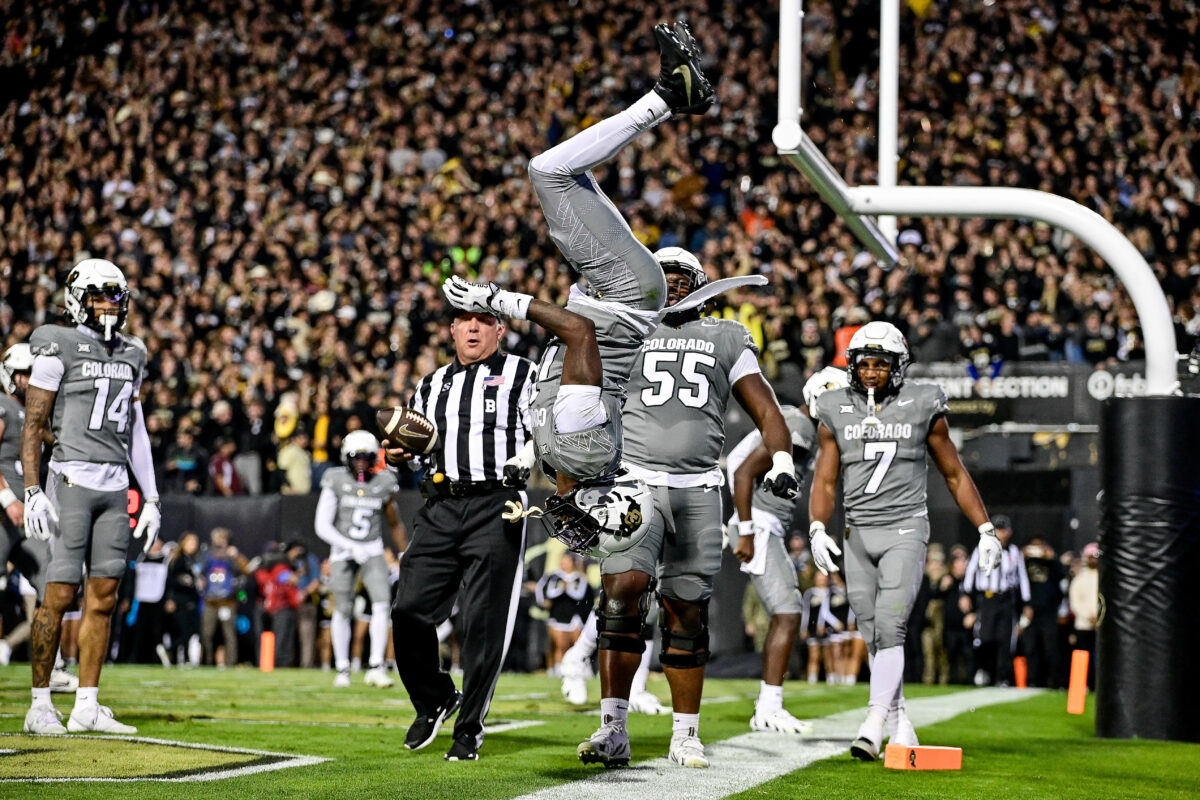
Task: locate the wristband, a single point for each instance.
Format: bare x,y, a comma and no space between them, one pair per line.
987,529
815,527
7,497
746,528
781,461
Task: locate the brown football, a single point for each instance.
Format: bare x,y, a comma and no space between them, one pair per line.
408,429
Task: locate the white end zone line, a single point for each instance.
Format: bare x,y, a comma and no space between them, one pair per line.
750,759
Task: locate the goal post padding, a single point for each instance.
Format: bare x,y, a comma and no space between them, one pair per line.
1148,641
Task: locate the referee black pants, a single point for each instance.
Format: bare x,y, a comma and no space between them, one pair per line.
458,541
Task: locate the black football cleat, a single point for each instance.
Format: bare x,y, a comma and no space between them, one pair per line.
680,80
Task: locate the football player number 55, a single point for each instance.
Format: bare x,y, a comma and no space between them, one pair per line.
692,390
884,452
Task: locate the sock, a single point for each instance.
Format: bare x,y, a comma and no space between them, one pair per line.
614,709
380,623
685,724
770,698
41,697
887,675
85,696
643,673
339,632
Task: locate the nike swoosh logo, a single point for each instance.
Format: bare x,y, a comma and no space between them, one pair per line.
407,431
687,80
710,489
903,402
906,530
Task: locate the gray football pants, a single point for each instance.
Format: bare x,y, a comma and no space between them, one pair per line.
586,226
91,525
884,570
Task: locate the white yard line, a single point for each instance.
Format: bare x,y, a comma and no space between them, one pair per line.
746,761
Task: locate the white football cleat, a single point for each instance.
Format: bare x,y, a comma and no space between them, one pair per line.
900,729
43,719
63,681
342,679
870,738
687,751
574,690
646,703
609,746
376,677
97,719
779,721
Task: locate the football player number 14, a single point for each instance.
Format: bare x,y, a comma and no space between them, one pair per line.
117,412
692,391
883,452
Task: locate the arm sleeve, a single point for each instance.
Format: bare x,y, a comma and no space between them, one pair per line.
826,616
141,459
323,521
47,373
747,364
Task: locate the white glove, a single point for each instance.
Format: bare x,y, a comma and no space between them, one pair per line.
990,550
781,480
823,548
148,523
473,297
39,512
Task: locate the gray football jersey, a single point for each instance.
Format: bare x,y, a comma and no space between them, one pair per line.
96,394
674,417
883,466
804,436
12,414
620,331
360,505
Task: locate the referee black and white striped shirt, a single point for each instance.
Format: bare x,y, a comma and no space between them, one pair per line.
1010,577
479,410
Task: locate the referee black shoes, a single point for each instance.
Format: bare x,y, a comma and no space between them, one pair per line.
463,749
424,729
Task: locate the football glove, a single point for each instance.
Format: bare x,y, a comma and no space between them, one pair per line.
517,468
148,524
39,512
990,550
823,548
781,479
472,297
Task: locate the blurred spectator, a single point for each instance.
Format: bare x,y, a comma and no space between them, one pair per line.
223,476
184,578
566,594
1039,637
959,618
279,587
144,608
308,573
187,469
1084,596
295,464
220,568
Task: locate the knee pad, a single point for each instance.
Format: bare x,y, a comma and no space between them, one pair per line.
695,646
633,623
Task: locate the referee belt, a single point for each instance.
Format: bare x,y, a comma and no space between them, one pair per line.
432,488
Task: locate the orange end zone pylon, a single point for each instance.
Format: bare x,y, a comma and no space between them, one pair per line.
899,756
1077,688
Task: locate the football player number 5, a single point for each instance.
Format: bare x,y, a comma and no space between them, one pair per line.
692,390
360,523
884,452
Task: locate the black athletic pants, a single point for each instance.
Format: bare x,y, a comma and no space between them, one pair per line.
458,541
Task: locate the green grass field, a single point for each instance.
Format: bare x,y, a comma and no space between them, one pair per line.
1029,748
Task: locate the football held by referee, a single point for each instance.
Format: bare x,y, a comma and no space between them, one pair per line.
459,537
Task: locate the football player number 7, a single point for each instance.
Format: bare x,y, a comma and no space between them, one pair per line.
884,452
692,390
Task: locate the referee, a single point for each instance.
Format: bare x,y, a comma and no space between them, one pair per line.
478,403
996,599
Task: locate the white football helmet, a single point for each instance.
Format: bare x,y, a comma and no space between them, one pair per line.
821,382
601,519
96,277
677,261
19,358
359,445
878,339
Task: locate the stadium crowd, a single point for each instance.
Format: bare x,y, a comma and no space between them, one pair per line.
285,185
